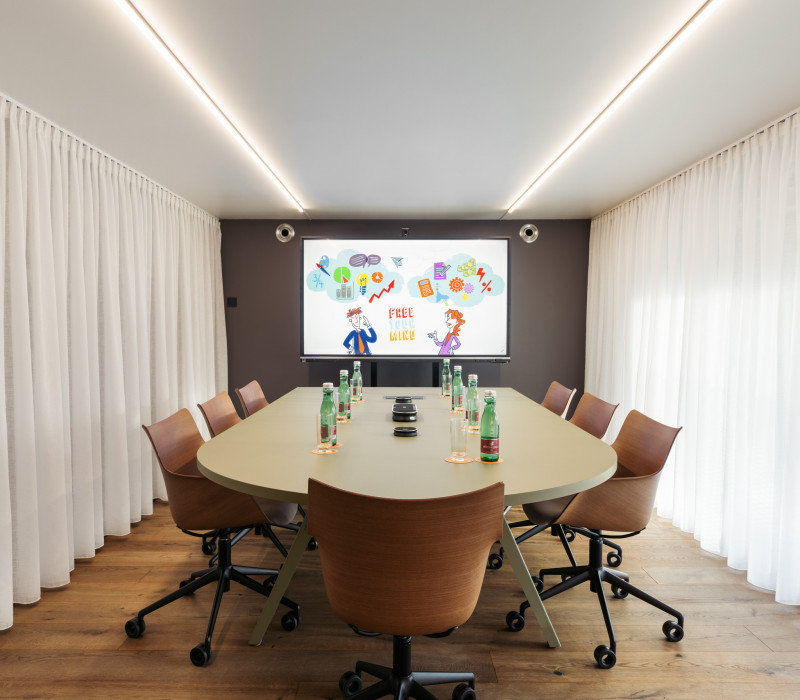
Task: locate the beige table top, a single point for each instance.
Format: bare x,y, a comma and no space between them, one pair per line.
270,453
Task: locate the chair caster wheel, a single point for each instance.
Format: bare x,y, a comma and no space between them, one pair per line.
515,621
569,534
605,657
350,683
463,692
269,582
537,581
672,631
614,559
200,655
290,621
134,627
208,547
495,561
312,545
620,593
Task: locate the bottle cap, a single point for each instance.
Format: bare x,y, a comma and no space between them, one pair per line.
356,363
327,385
342,371
457,368
490,392
447,360
473,376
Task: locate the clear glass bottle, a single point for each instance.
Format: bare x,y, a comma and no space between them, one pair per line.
327,416
343,413
472,405
490,429
457,391
446,378
358,383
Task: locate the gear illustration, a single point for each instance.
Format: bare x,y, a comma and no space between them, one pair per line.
456,284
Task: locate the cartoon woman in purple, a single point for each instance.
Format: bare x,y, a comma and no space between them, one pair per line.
454,320
357,343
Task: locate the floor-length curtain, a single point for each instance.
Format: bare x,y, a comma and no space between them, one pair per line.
694,318
111,306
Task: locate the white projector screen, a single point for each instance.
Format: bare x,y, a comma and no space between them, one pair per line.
405,298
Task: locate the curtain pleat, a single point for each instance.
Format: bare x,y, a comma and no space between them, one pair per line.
693,316
112,318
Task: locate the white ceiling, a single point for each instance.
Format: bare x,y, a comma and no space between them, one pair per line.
406,109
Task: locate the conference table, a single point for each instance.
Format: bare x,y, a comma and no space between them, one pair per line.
269,454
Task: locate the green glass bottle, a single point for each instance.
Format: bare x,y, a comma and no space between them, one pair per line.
472,405
490,429
343,413
446,378
457,397
358,383
327,417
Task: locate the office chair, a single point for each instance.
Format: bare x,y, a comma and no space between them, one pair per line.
593,415
252,398
220,414
402,576
558,398
622,504
198,504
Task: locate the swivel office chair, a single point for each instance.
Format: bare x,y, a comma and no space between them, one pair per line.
592,415
402,576
220,414
623,504
198,504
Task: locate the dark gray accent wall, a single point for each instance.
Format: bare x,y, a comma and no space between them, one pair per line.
547,304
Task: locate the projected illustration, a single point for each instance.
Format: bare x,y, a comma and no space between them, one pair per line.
358,340
405,297
454,319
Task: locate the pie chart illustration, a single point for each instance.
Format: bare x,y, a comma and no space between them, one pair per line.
341,274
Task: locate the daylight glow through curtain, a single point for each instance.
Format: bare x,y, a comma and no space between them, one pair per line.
112,317
694,318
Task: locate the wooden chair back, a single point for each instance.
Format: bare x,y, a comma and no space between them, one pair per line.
389,565
220,413
558,398
625,502
593,415
252,398
195,502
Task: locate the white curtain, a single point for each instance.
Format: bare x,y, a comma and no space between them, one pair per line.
694,318
111,305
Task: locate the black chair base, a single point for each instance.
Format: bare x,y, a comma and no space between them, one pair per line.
222,571
400,681
596,574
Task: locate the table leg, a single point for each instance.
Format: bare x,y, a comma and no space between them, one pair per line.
301,540
512,552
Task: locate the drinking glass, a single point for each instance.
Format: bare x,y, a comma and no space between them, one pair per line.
458,439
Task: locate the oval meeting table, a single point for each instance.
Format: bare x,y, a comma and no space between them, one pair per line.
270,454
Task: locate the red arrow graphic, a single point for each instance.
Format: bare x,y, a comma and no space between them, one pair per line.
387,289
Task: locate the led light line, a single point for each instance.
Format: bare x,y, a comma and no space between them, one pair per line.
677,39
161,46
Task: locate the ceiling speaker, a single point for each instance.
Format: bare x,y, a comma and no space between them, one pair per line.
529,233
284,233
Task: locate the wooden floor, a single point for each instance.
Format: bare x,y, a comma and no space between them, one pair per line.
739,643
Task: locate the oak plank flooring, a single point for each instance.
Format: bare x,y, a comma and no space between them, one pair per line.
739,642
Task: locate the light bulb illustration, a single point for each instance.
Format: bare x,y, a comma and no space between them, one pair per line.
361,281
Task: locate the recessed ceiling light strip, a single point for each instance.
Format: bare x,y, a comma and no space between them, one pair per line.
161,46
682,34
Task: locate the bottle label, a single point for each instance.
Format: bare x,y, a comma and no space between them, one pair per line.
323,433
341,407
490,446
473,416
333,433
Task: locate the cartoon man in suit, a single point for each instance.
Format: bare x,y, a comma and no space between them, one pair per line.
357,342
